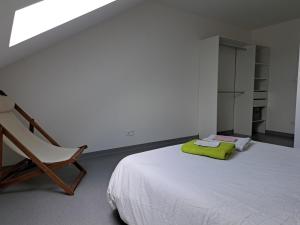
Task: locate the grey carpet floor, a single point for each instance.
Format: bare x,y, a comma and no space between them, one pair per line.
274,139
39,202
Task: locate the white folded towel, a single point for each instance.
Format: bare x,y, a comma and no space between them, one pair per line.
241,144
203,143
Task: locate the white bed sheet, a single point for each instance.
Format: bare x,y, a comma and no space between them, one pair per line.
167,187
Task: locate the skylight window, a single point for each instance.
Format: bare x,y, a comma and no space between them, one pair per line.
47,14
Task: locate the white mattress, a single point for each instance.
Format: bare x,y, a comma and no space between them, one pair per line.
167,187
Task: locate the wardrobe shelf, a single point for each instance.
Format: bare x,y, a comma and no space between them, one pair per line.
260,95
261,78
260,90
261,64
258,121
259,106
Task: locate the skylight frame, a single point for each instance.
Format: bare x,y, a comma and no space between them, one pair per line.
45,15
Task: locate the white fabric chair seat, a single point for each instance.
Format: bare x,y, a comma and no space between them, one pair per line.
43,150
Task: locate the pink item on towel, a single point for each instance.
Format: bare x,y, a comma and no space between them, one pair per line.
225,138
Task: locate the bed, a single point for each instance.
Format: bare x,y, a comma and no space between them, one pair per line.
260,186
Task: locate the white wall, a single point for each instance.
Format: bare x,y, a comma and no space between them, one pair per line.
283,39
138,71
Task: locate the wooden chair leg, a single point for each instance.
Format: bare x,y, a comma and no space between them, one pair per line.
82,173
48,170
1,151
21,178
45,168
10,170
27,176
69,189
79,167
56,179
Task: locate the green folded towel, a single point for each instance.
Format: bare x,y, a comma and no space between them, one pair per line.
223,151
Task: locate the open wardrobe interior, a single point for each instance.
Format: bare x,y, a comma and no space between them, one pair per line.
240,74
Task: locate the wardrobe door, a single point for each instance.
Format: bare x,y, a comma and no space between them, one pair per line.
208,85
226,89
245,69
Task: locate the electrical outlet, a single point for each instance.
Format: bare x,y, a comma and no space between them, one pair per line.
130,133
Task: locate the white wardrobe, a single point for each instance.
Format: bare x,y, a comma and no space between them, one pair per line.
226,86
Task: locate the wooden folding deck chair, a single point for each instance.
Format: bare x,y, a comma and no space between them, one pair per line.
40,156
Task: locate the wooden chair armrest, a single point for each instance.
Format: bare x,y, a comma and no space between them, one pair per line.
79,152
